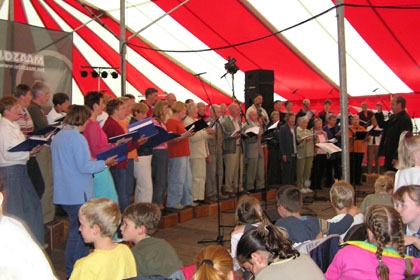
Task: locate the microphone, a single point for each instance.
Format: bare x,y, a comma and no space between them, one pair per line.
199,74
375,90
293,92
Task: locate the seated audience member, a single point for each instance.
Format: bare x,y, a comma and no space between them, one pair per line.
248,214
268,254
303,228
408,161
61,105
214,262
20,256
342,199
381,256
99,219
154,256
382,196
407,203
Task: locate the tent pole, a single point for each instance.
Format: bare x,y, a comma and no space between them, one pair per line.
345,161
123,49
123,41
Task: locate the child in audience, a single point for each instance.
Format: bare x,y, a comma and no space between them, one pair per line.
407,203
20,256
267,254
154,256
382,196
303,228
381,257
248,214
214,262
342,200
99,219
408,160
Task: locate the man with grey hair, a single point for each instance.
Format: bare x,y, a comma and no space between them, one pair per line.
305,111
232,153
41,96
201,110
214,166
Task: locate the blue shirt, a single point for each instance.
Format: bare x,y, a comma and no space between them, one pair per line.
73,167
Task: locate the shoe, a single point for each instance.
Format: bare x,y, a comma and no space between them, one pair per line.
308,190
229,194
242,192
177,207
303,190
212,198
194,204
222,197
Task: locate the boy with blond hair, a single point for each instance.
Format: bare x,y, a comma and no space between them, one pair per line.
342,199
99,219
384,186
154,256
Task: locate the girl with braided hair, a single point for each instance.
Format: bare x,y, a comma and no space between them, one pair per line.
381,256
267,254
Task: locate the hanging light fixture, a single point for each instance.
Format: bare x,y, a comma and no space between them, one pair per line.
104,74
114,75
94,74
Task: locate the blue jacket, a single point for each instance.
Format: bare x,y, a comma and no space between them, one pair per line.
73,167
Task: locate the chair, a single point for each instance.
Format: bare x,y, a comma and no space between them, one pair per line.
324,251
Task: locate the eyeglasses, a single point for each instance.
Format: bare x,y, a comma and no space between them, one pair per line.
247,272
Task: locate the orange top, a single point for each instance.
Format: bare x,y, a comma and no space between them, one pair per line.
133,153
181,148
357,146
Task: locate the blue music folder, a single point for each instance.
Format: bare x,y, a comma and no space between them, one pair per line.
145,127
135,135
28,144
161,137
120,151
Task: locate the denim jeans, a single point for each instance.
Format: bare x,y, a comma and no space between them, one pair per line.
124,191
75,247
160,173
179,187
21,199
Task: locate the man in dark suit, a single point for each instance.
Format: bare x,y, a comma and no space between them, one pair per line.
288,149
397,123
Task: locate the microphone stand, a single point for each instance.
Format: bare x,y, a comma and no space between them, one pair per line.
219,238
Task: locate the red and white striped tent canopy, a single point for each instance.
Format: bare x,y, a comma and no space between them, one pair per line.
296,39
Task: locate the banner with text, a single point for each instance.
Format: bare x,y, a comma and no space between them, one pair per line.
29,53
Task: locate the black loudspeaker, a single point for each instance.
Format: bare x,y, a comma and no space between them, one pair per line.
260,82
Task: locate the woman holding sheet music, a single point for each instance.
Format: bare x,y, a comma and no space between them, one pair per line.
160,157
103,183
357,146
305,154
179,186
72,173
21,200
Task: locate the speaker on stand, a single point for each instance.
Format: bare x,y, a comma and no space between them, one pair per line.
260,82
